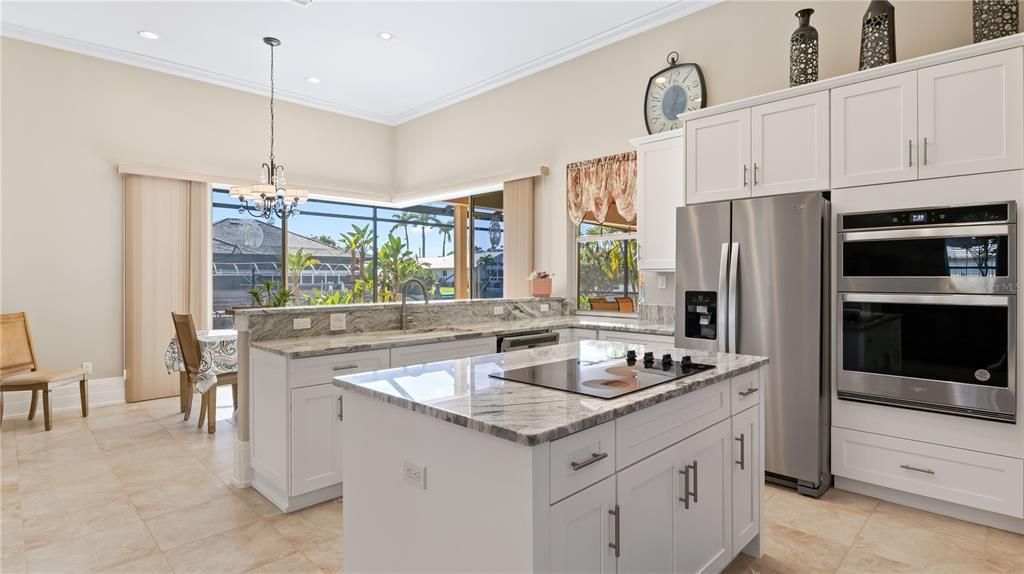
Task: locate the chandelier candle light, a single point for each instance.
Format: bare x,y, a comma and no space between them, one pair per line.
270,196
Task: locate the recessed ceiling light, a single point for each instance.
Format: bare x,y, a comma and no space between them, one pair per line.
385,36
313,80
149,35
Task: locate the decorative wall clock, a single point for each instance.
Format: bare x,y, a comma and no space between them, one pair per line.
677,89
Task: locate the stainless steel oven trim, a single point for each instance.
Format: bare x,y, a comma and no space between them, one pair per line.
928,394
891,284
1011,215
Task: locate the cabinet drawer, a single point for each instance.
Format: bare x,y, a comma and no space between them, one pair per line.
320,370
746,390
447,351
979,480
581,459
643,433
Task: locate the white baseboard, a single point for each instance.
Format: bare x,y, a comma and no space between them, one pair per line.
933,505
102,392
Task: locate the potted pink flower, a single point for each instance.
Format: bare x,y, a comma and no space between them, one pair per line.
540,283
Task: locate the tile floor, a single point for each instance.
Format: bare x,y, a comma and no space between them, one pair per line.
135,489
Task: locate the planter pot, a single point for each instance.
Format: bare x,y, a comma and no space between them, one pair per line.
541,287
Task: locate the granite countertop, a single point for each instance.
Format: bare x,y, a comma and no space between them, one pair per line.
462,393
352,342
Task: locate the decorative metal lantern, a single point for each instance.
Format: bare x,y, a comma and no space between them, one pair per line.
995,19
803,51
878,35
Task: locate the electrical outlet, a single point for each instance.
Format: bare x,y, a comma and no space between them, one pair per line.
662,282
416,474
87,367
544,307
499,310
302,323
338,321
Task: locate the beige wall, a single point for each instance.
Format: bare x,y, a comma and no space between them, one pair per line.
68,120
591,106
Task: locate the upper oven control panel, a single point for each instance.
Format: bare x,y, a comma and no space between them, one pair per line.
963,215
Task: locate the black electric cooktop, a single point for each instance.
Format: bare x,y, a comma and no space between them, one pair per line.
605,379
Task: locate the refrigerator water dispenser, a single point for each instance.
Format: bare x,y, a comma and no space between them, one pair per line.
701,314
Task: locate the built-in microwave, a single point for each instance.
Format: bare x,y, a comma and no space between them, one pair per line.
928,309
968,249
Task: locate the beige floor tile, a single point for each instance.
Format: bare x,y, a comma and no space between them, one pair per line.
70,497
325,515
791,550
837,518
139,435
47,477
257,502
295,563
326,555
149,474
119,419
200,521
177,494
303,531
922,540
155,564
742,564
72,445
232,552
1004,551
861,561
96,537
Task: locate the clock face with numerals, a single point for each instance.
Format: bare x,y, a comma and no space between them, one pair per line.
670,93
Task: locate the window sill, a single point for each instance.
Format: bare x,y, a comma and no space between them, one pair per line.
608,314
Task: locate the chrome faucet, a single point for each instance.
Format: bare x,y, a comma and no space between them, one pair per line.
405,288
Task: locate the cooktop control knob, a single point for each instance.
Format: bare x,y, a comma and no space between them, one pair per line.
666,359
631,355
649,356
685,360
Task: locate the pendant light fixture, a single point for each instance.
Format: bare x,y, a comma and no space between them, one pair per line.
271,196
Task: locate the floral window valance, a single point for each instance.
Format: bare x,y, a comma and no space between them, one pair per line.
595,185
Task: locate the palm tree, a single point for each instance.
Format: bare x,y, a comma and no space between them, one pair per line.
405,219
397,264
297,262
422,221
356,242
446,236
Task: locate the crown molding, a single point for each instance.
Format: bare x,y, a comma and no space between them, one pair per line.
649,21
199,74
646,22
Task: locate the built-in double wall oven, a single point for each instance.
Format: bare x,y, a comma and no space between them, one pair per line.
928,309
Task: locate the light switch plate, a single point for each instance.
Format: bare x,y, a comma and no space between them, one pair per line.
302,323
338,321
499,310
662,282
544,307
87,367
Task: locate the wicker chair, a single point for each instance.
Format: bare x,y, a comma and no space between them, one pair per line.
20,372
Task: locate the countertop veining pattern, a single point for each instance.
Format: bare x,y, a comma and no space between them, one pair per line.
462,392
354,342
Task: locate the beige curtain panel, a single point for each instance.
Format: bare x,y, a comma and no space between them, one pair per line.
595,185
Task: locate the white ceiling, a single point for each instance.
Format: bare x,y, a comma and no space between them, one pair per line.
443,52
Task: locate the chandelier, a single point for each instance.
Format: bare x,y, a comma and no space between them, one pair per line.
269,196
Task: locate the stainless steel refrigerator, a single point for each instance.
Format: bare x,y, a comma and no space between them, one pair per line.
752,278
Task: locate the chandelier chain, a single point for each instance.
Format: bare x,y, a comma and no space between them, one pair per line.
272,166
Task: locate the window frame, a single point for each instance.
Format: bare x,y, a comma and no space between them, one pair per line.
581,239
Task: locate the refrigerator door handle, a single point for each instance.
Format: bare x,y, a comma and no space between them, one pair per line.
734,258
723,271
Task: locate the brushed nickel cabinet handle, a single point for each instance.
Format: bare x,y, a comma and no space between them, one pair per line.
694,493
744,175
341,408
915,469
685,498
344,368
743,452
748,392
595,457
615,545
910,153
925,151
755,173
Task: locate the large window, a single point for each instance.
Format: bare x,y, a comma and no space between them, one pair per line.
608,279
346,253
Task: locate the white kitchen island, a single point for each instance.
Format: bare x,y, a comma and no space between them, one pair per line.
449,469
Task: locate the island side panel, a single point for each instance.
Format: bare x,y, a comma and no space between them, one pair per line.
477,512
268,385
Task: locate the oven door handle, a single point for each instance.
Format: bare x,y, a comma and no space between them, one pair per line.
926,232
962,300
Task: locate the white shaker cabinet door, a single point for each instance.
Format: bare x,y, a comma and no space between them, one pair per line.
971,115
647,495
874,131
746,478
660,190
582,527
790,144
718,157
703,520
315,438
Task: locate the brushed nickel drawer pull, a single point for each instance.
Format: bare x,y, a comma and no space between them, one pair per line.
615,545
744,175
595,457
341,408
925,151
910,153
748,392
345,368
743,451
915,469
685,498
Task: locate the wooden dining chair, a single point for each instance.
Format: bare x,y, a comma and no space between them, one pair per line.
20,372
602,304
188,342
625,304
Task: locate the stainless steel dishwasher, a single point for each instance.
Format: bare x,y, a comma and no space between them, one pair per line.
526,340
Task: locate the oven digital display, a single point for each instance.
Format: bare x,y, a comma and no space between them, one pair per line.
918,218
